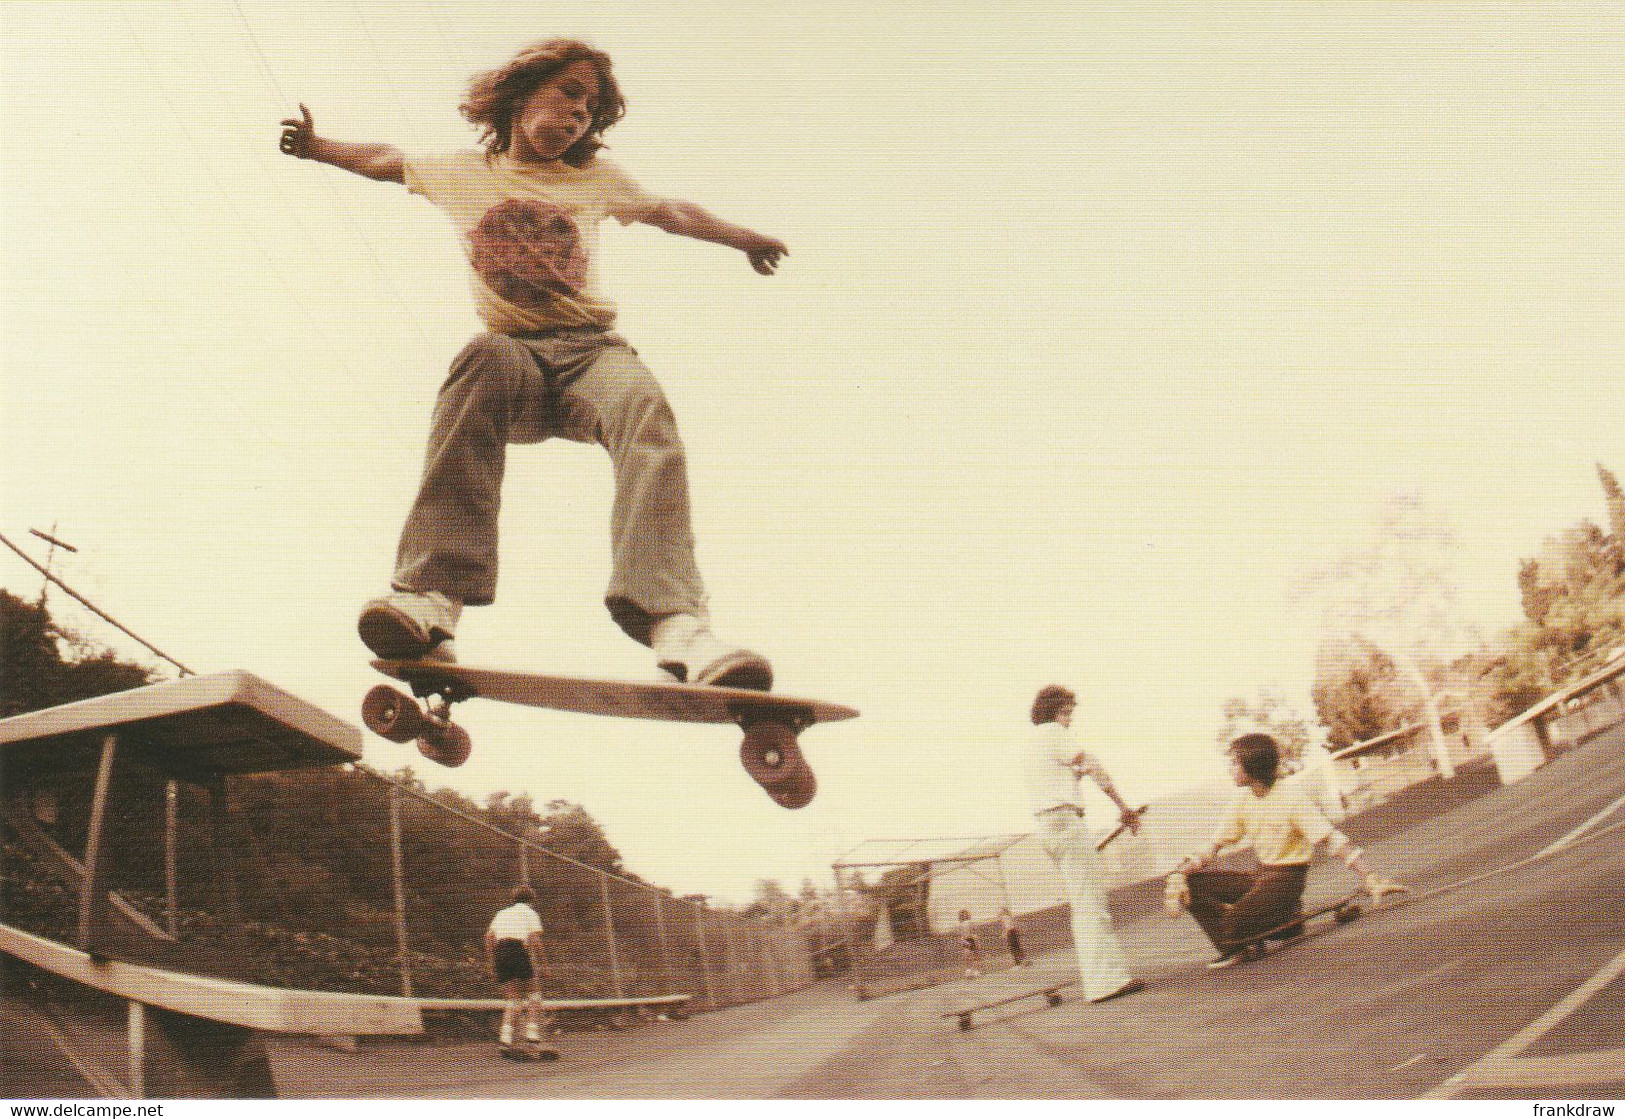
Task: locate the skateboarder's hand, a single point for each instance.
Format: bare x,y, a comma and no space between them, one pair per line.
1176,895
764,253
1131,820
297,133
1377,886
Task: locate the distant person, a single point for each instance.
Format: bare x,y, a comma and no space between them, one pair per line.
1012,937
513,949
1054,766
527,208
1283,825
970,952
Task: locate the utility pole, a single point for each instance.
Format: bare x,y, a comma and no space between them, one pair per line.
50,555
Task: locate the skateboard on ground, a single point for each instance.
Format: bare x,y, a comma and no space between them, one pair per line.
1256,946
770,751
528,1051
1051,993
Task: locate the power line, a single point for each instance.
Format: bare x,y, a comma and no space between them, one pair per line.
94,609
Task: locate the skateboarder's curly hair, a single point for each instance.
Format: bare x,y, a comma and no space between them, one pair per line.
1259,757
494,96
1051,698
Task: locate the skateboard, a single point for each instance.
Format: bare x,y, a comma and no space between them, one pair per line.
528,1051
1256,946
770,751
1051,994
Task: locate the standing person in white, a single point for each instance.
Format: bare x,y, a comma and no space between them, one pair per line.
1054,765
513,947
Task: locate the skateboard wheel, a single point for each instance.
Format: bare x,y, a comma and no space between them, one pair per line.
449,745
1053,998
389,714
797,792
770,755
1346,914
964,1023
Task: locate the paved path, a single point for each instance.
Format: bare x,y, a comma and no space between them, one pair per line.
1393,1005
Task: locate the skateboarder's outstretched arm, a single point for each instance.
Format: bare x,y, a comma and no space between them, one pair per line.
382,162
685,219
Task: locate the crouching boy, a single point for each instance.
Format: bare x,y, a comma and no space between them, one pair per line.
1283,826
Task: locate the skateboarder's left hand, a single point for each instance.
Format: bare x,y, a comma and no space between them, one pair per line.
1377,886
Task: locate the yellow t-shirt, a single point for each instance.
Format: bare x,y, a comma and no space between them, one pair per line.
530,233
1282,826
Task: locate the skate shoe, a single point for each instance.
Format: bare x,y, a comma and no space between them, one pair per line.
686,648
408,625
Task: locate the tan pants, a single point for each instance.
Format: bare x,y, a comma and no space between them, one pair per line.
586,385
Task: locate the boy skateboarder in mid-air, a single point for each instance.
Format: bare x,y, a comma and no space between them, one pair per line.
528,207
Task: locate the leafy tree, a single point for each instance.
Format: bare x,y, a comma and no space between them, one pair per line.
1400,593
1616,509
1268,713
772,902
1357,692
42,664
570,830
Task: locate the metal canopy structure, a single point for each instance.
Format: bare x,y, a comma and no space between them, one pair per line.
905,852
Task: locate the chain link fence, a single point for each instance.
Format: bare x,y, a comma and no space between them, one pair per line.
348,880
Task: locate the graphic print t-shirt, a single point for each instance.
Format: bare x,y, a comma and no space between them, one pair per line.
530,233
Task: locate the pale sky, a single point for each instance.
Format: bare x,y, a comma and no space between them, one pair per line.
1097,326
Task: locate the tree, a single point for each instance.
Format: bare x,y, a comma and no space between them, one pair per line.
43,664
1269,714
570,830
1357,691
772,902
1400,593
1616,507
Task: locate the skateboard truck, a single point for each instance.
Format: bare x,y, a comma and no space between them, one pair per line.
772,756
391,714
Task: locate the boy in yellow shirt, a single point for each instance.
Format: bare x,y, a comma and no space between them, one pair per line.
1283,826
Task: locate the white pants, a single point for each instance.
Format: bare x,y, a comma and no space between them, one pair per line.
1102,964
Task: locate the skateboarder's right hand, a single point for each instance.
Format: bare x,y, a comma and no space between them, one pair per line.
1176,895
297,133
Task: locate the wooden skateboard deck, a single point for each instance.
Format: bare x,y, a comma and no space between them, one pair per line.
529,1051
1255,947
769,752
1051,993
628,699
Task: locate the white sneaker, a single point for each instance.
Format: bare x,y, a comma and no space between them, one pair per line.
407,625
685,647
1222,962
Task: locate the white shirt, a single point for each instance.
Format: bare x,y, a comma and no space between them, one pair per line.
1048,765
516,922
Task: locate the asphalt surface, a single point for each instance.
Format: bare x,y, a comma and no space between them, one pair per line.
1470,990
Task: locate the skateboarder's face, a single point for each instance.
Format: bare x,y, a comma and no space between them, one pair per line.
556,115
1063,714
